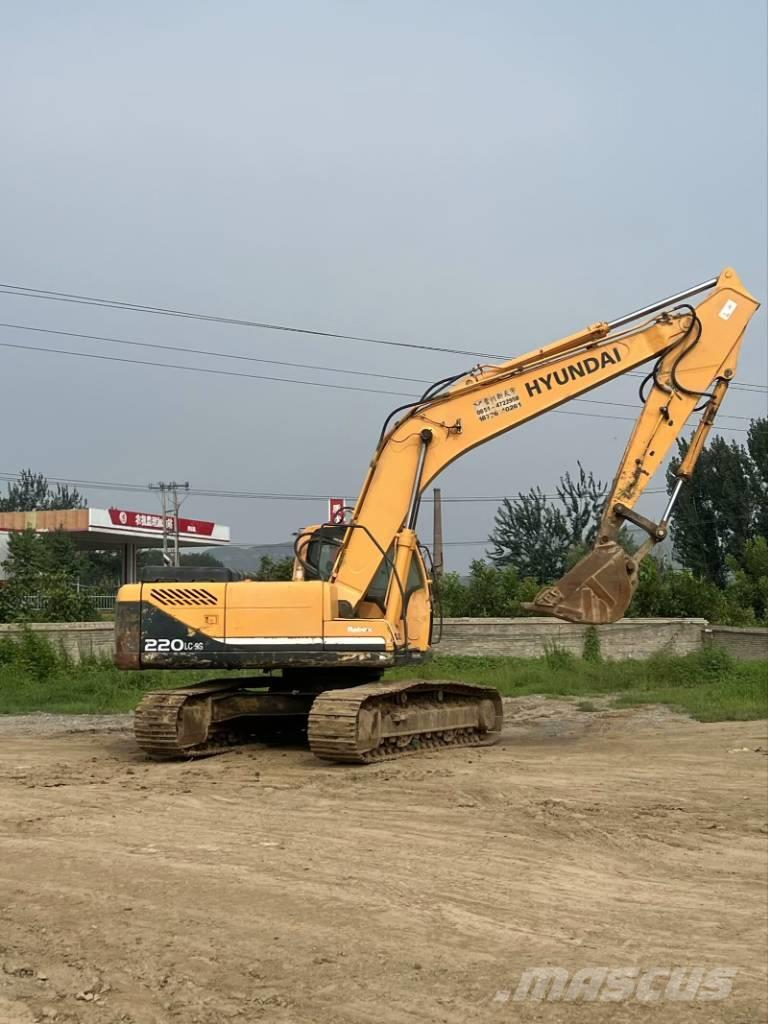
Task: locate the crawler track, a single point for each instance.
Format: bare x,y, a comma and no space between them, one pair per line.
171,724
357,724
383,721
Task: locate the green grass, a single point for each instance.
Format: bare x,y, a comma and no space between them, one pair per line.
708,685
35,676
92,689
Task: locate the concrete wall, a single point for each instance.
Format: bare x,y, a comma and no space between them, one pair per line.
530,637
78,639
744,644
527,637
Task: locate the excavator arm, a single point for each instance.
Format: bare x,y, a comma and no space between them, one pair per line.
694,352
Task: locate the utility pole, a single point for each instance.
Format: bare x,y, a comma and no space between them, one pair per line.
162,487
437,532
170,489
176,506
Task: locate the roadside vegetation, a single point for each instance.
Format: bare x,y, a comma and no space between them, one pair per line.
708,685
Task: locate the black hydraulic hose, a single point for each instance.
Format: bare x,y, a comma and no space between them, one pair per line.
428,395
695,324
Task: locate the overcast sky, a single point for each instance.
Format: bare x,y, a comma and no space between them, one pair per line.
486,176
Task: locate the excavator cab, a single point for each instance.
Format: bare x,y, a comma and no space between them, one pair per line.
316,551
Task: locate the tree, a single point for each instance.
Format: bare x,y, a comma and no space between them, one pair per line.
536,536
723,506
101,569
154,556
583,500
531,535
669,593
32,492
275,568
269,568
201,558
748,589
488,592
757,446
42,571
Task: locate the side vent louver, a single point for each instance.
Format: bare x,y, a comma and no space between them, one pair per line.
182,596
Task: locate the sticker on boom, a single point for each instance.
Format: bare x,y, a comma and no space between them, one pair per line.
503,401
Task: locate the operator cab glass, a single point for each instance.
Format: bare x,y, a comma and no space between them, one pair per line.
323,550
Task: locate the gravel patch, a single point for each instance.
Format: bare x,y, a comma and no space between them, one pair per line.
44,724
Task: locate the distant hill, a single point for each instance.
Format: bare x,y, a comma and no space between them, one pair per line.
247,557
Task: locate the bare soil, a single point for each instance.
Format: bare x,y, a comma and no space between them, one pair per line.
264,885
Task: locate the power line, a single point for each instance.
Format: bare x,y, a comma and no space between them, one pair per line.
281,380
267,495
203,369
278,362
26,292
21,291
208,352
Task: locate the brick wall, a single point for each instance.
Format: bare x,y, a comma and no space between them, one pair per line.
527,637
76,638
530,637
744,644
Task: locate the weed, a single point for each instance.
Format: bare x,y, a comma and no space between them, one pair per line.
586,705
592,651
557,658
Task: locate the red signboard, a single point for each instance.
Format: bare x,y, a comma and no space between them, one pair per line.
336,510
154,521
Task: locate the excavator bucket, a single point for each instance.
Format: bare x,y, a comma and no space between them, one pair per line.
596,590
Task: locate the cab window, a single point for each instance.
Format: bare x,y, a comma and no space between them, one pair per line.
377,592
323,549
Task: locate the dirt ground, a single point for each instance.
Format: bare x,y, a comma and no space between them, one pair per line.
263,885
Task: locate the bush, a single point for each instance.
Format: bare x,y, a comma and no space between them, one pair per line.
7,650
557,658
36,655
592,651
487,593
708,665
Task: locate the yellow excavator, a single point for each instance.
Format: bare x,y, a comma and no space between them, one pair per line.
361,598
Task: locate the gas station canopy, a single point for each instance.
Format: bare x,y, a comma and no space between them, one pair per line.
105,529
